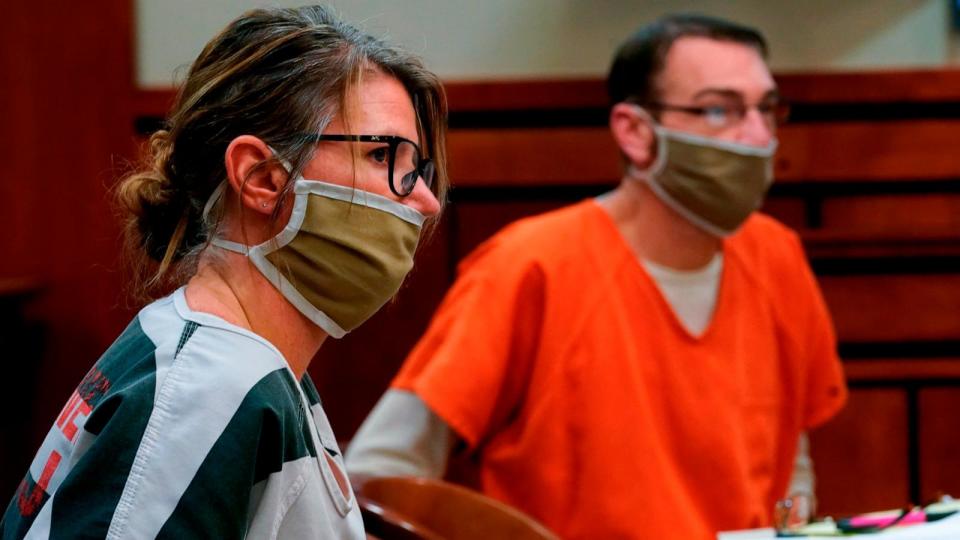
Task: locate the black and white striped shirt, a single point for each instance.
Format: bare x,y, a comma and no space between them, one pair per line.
187,426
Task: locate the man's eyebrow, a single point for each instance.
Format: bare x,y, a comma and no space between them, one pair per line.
729,93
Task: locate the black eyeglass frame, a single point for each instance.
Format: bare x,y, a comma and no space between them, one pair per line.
393,142
780,110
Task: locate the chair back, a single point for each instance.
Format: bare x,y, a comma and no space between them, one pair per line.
407,508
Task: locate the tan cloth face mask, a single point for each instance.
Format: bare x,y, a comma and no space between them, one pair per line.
343,254
714,184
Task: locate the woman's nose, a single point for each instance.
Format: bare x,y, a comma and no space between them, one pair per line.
422,200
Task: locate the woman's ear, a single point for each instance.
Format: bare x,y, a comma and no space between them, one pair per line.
259,187
633,131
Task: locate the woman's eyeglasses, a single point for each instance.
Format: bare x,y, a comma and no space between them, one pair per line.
405,163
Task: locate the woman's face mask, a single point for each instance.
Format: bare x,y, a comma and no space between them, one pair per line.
343,254
714,184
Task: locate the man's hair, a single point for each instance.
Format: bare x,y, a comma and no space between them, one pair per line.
641,58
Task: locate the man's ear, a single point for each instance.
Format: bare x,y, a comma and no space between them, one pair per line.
259,187
634,134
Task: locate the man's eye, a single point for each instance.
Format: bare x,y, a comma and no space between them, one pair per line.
380,155
716,112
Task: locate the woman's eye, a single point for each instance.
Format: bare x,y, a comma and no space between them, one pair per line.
380,155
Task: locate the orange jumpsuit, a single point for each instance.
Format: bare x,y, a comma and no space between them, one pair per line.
557,360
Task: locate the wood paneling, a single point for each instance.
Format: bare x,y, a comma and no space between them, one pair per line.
530,94
824,152
478,221
847,151
792,212
899,370
861,456
939,442
67,130
908,217
533,157
892,150
894,307
886,86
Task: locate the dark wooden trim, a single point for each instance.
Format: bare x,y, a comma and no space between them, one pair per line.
885,265
895,350
802,112
897,370
903,85
470,192
913,87
511,95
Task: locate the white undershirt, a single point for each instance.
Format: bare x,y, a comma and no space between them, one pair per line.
692,294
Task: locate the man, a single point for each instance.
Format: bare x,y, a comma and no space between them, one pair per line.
644,364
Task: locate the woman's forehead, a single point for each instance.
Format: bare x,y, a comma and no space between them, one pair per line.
379,105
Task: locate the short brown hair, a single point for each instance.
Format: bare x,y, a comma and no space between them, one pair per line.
641,58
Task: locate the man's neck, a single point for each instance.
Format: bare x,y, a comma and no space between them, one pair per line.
656,232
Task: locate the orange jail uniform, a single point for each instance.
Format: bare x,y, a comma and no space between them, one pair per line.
589,405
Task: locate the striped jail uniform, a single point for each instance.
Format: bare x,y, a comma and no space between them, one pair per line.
187,427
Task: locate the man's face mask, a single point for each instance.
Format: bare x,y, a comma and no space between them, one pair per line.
343,254
714,184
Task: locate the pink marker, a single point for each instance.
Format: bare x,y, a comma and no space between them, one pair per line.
882,519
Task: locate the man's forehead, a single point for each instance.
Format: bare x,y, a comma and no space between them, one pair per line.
695,65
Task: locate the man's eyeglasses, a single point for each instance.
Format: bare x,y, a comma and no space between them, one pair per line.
402,157
726,115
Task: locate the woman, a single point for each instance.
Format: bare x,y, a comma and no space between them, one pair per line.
285,201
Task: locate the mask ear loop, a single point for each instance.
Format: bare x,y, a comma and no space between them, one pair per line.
660,142
649,175
214,197
222,187
287,166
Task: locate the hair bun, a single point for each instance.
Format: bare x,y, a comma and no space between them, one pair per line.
150,198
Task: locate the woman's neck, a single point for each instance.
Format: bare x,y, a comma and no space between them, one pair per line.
238,293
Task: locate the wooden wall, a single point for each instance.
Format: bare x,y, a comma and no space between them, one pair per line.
867,174
65,129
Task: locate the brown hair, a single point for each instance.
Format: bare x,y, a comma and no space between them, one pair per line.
274,73
641,58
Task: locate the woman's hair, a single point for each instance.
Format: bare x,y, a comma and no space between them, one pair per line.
274,73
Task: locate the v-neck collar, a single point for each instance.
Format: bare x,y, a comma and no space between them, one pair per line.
648,281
